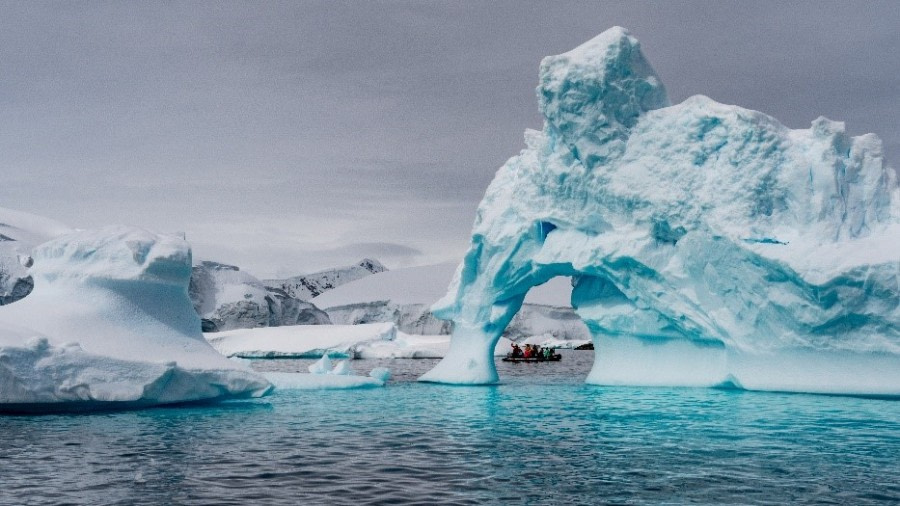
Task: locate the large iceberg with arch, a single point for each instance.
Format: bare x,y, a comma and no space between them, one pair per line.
709,244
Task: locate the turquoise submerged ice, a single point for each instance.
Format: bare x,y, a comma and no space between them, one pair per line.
709,244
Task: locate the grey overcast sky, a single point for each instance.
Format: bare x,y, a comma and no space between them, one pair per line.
287,137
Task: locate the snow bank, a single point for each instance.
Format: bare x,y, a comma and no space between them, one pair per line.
706,241
110,322
302,341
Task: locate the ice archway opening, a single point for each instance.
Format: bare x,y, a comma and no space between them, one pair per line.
500,284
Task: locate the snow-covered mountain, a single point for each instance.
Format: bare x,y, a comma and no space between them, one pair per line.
307,286
227,298
19,234
405,296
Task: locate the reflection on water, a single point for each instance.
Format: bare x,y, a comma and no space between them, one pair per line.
541,437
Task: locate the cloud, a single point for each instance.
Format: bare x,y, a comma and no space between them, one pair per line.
276,135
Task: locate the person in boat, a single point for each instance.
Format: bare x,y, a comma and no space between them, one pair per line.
537,352
549,353
516,351
528,351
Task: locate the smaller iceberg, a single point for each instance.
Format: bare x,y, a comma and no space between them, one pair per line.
110,325
323,376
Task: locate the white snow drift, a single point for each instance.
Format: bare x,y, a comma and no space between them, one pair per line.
109,323
710,244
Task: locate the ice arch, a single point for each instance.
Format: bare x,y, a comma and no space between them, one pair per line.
709,243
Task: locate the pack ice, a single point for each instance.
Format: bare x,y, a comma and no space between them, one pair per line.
109,323
710,244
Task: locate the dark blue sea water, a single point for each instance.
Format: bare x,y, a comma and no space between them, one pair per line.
542,437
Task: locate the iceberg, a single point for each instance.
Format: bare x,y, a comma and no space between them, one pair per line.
303,381
322,376
109,324
709,245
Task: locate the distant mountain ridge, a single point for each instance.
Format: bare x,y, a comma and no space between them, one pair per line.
227,298
307,286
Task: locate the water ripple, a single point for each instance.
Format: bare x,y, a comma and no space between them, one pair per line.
542,437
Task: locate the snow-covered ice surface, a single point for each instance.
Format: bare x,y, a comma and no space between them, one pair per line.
109,324
405,296
710,244
300,341
373,340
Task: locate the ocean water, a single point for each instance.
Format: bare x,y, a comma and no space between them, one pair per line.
541,437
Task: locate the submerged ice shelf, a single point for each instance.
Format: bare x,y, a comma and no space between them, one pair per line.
709,244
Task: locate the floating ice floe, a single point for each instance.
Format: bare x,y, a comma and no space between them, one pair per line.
109,324
325,376
709,244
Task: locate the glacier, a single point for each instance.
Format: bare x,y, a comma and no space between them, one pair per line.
709,244
110,325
